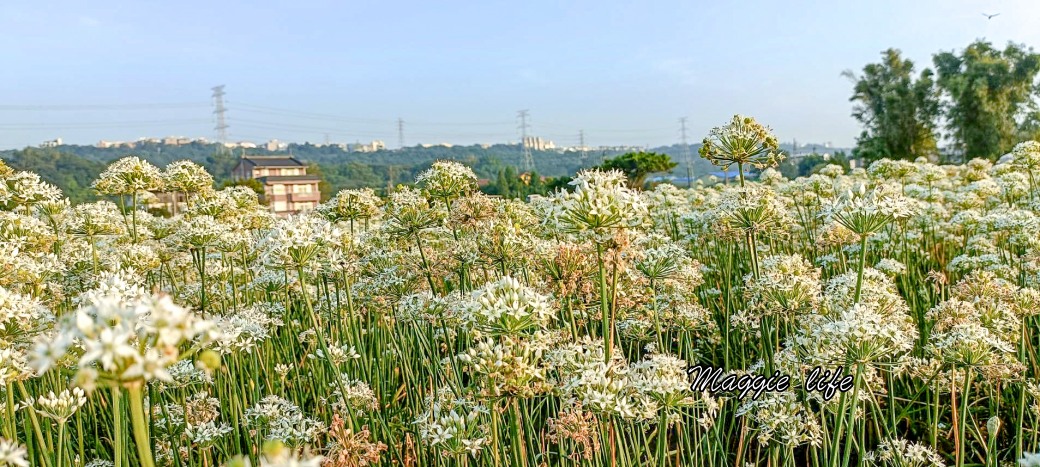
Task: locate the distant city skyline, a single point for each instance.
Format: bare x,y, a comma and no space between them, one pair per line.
621,72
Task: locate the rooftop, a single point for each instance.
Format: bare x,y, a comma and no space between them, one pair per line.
272,161
290,178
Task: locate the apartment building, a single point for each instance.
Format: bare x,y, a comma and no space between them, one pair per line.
287,186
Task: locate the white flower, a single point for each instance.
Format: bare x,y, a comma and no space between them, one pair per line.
447,179
126,337
866,213
509,307
296,240
600,205
278,419
663,378
128,175
902,453
12,454
61,406
1029,459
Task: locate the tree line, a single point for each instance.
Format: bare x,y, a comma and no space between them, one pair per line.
975,103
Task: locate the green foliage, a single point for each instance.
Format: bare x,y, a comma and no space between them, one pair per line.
638,165
73,168
501,186
72,174
899,112
807,165
989,92
509,184
323,185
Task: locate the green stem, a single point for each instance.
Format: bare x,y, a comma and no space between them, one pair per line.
1022,393
604,307
657,317
662,440
133,215
117,425
497,456
862,266
140,426
60,459
426,266
852,413
319,332
32,416
963,428
10,430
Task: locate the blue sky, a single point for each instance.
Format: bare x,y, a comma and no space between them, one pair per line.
622,71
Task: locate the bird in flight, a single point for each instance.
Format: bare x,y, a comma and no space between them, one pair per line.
990,16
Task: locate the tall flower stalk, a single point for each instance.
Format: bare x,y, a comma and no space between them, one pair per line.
129,176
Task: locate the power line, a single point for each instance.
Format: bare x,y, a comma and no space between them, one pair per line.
220,111
311,128
96,125
79,107
304,114
460,123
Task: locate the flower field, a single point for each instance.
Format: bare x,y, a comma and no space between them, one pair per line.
438,326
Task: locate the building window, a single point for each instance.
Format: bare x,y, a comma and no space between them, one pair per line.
280,206
304,205
303,189
279,189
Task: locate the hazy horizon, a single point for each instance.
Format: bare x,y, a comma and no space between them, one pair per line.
624,72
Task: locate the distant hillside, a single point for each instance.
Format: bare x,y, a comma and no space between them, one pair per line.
73,167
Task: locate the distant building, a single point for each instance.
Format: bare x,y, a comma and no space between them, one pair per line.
275,145
240,144
167,141
51,144
374,146
115,144
538,144
287,187
171,202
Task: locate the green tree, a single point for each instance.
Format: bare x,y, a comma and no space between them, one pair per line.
638,165
501,186
807,165
557,183
989,91
218,163
516,185
535,186
899,112
323,185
